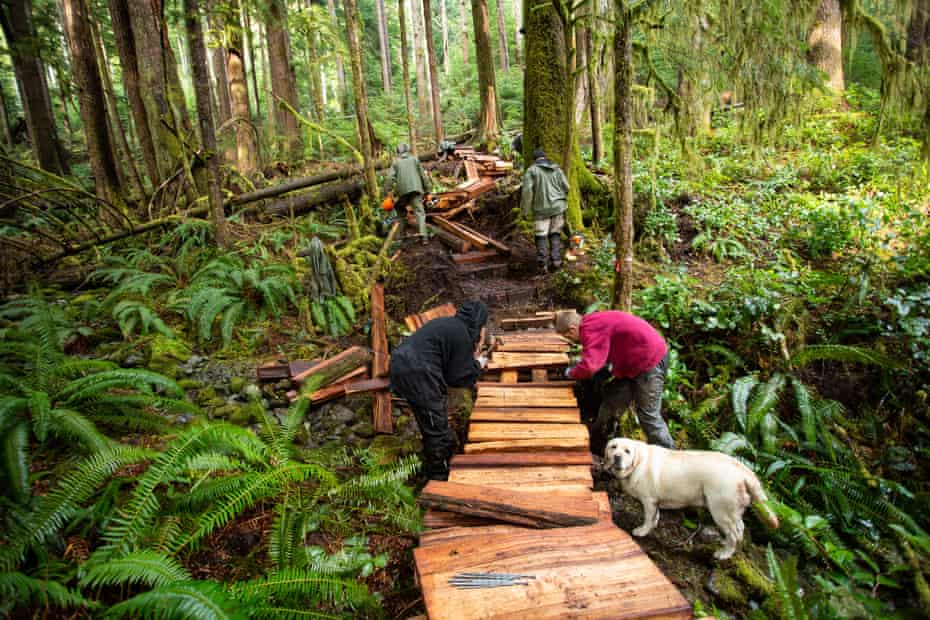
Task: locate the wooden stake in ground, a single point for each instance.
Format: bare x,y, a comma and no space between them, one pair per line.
384,422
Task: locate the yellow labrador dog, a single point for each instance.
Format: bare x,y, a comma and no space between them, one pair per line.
661,478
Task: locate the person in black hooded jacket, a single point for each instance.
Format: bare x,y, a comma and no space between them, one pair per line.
439,355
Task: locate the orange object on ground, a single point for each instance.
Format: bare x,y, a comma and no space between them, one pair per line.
388,203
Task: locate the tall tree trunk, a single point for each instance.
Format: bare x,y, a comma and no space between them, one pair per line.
463,29
16,22
205,117
517,26
433,73
826,44
314,76
623,157
444,14
581,84
386,81
91,98
5,132
693,87
488,126
342,93
501,37
117,130
159,86
411,126
246,148
218,61
597,148
353,31
419,61
126,48
266,72
918,33
283,83
548,95
250,64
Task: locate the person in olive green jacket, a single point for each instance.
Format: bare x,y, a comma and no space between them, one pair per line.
545,194
411,181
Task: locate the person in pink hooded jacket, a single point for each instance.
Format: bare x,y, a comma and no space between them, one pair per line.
633,355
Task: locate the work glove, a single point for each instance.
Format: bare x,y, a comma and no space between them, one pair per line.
483,360
568,372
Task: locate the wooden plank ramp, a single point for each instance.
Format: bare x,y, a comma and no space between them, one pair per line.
523,477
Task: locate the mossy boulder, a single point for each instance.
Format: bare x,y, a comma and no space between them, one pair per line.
364,429
164,355
207,396
746,571
726,590
236,384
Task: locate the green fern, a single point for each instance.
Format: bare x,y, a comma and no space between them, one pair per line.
841,353
148,568
19,590
785,576
182,600
741,390
764,400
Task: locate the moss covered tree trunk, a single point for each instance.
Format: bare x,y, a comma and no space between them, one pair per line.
623,157
201,78
826,44
594,111
549,96
433,73
405,64
353,31
246,148
218,61
250,64
488,126
5,132
91,101
16,21
502,37
283,84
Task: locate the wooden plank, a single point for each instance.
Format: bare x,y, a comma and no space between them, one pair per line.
525,322
560,480
476,239
416,321
538,415
534,347
503,360
503,431
509,376
383,413
471,169
528,384
516,459
381,408
440,519
338,387
539,375
556,401
540,510
453,241
527,445
521,395
474,257
335,366
592,572
367,385
452,533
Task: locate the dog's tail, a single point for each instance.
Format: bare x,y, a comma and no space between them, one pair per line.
760,500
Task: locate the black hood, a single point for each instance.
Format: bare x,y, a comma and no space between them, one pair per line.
474,314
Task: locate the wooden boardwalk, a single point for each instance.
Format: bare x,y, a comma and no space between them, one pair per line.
527,447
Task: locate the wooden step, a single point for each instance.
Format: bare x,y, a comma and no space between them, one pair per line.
530,459
538,415
502,431
529,445
503,360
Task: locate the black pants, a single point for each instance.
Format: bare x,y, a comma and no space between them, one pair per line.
439,441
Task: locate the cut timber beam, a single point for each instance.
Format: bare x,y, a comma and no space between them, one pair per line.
527,322
517,459
474,257
457,244
328,371
384,421
503,431
538,510
416,321
458,230
539,415
528,445
501,360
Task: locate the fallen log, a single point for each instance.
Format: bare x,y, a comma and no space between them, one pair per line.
328,371
325,195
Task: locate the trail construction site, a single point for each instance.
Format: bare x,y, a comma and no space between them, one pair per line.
516,531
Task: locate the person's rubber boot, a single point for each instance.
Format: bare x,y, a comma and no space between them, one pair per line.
555,251
421,228
542,254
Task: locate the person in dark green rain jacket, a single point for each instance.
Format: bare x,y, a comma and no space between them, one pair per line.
545,197
409,182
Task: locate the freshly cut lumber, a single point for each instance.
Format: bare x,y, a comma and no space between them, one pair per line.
439,519
457,244
509,376
519,459
539,375
471,170
338,387
383,418
561,479
274,371
502,431
527,445
530,346
515,395
525,322
590,572
539,415
520,402
367,385
474,257
457,532
527,384
416,321
327,371
472,237
538,510
503,360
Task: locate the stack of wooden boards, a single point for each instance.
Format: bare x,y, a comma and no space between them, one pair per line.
346,373
416,321
519,500
480,171
468,245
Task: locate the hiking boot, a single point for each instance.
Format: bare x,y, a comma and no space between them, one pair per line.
555,250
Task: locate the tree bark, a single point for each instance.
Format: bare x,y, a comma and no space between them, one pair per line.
597,148
463,28
16,22
918,33
205,117
517,25
283,85
7,135
623,157
419,61
444,15
501,37
381,14
342,93
408,103
314,77
117,129
91,99
826,44
488,126
250,64
548,96
361,96
433,73
126,48
220,79
246,149
266,73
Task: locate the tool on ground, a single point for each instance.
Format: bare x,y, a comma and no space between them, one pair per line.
488,580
